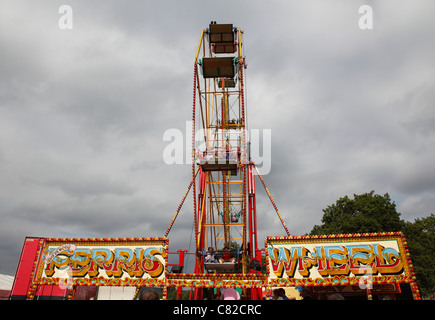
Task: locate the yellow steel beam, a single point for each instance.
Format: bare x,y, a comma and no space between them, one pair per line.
199,46
240,45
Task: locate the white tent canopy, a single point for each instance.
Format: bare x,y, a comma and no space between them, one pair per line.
6,282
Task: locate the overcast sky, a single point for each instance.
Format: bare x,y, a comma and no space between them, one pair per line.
83,112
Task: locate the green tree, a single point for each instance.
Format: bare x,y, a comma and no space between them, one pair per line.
420,236
370,212
367,212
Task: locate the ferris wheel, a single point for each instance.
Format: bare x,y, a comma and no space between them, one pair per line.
223,177
219,146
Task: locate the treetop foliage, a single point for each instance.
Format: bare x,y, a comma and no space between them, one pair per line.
367,212
370,212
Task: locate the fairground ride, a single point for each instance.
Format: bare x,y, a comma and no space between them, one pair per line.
223,175
227,255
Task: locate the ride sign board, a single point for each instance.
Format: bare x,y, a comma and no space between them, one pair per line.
113,262
354,259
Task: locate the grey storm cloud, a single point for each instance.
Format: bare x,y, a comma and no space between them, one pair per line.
83,112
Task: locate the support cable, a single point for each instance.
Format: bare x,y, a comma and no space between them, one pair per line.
181,203
272,201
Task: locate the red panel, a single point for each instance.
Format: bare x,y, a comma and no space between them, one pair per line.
50,292
30,255
23,276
